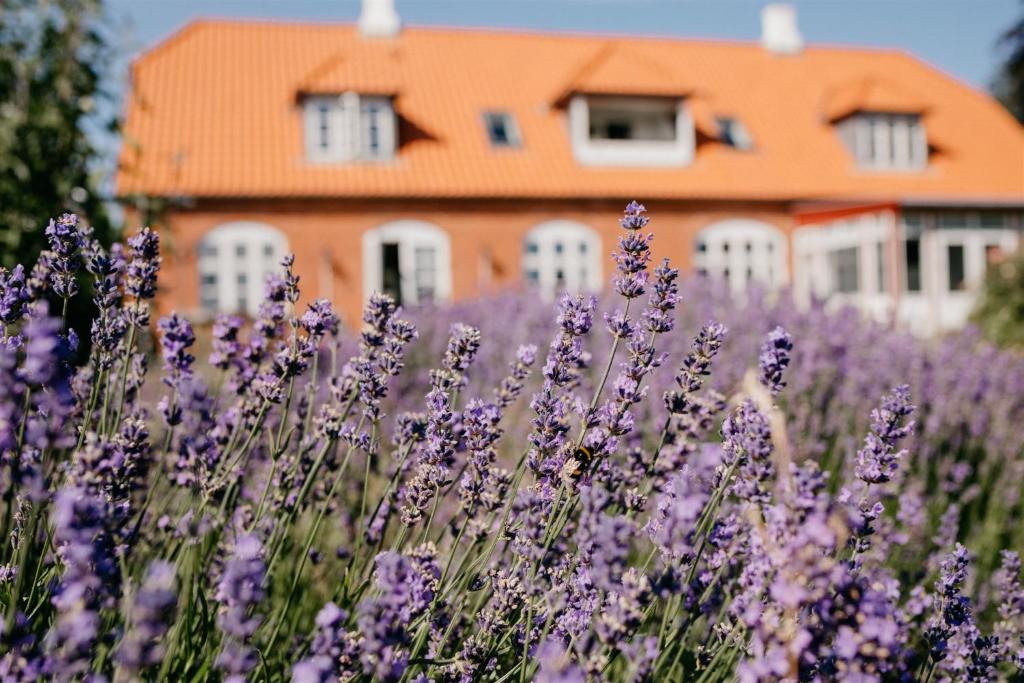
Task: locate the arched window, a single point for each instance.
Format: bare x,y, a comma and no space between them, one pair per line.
562,256
410,260
234,261
742,251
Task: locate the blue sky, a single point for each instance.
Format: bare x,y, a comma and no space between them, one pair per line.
956,35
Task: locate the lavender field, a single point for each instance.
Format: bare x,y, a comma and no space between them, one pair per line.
663,484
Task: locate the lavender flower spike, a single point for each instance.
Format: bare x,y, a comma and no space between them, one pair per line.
65,243
150,619
877,460
13,294
240,590
774,359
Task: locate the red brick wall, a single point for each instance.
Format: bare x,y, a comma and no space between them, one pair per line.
322,232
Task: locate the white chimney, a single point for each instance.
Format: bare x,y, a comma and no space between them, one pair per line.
378,19
779,32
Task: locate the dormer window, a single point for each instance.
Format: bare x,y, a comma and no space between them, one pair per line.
653,121
501,129
733,133
885,142
349,127
630,131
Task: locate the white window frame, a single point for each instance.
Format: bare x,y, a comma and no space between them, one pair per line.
581,268
881,141
669,153
764,262
408,234
349,128
264,246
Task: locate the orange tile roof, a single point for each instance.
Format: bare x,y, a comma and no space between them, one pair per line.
214,113
873,94
618,69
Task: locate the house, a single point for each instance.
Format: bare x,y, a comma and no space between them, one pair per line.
445,163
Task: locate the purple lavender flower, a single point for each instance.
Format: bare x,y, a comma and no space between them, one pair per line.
747,443
90,582
1009,630
226,346
672,526
240,591
877,461
953,615
45,365
65,243
407,587
565,357
696,367
149,619
556,666
664,297
140,278
176,338
511,386
463,345
13,294
774,359
634,253
319,319
334,654
432,470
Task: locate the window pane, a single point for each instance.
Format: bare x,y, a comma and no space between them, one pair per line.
500,129
912,254
324,126
239,250
532,247
371,124
655,124
425,276
993,220
845,270
391,277
268,250
955,254
883,285
953,220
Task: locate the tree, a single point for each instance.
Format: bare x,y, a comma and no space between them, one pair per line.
1009,84
53,56
1000,309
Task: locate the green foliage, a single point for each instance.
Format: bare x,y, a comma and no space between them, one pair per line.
53,56
1000,310
1009,85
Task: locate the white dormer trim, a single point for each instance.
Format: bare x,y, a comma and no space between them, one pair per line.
349,127
670,153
